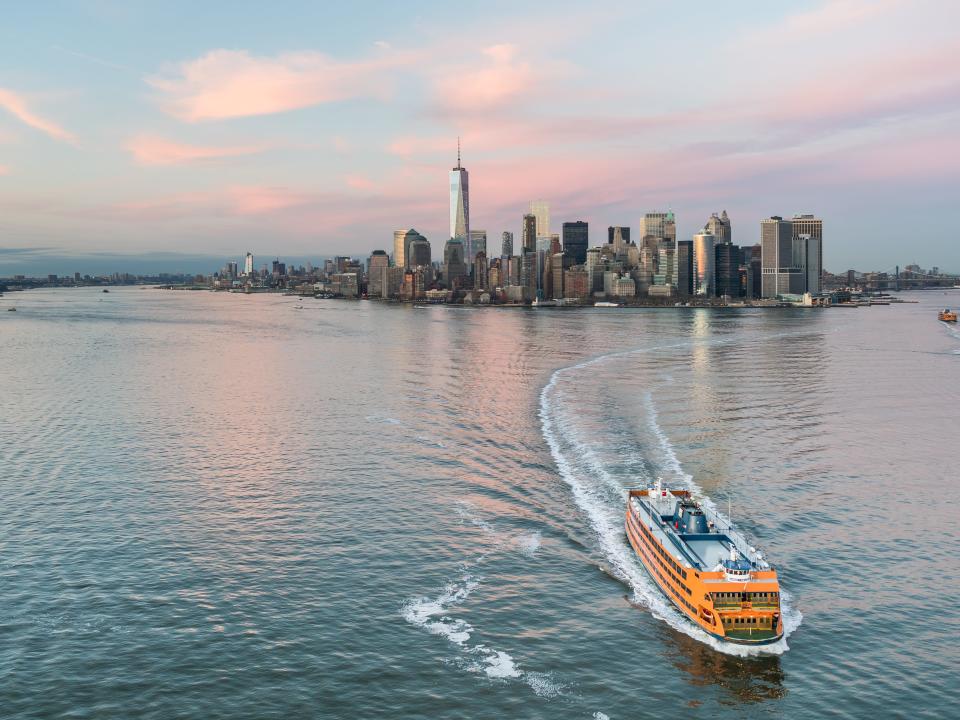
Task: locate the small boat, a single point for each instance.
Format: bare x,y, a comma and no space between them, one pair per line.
537,302
947,315
704,567
105,290
11,309
606,304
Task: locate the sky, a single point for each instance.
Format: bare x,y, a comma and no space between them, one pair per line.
311,129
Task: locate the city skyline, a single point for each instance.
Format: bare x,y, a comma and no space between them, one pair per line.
249,134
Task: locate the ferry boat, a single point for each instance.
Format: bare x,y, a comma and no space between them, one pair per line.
705,568
947,315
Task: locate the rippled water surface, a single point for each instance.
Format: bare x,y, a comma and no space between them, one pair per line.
222,506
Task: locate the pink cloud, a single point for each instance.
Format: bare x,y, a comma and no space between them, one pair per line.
233,83
360,182
17,106
500,78
154,150
4,170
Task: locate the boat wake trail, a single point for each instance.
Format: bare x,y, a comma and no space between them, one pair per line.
436,614
598,489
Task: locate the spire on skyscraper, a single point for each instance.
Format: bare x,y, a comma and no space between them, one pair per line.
458,154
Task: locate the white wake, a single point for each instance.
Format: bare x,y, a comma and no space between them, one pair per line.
602,498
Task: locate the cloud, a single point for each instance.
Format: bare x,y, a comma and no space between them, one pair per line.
4,170
233,83
500,77
155,150
17,106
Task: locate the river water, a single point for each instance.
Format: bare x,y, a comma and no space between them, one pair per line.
223,506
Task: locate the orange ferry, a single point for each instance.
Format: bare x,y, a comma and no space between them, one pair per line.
704,567
947,315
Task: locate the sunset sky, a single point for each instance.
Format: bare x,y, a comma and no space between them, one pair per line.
315,128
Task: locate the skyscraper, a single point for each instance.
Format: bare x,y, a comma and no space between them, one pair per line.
812,226
408,239
685,268
376,267
659,224
703,263
719,227
460,205
529,233
540,209
781,259
478,241
418,252
248,265
576,239
399,248
506,247
454,264
727,269
619,237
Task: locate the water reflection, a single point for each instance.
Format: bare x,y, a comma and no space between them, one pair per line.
743,680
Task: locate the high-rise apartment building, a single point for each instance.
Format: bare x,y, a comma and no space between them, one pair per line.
576,240
460,206
506,245
528,234
781,259
540,209
703,263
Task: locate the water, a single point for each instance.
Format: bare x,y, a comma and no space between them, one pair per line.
220,506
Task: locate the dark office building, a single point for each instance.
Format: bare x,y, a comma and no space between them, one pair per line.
727,268
751,270
575,241
529,234
685,268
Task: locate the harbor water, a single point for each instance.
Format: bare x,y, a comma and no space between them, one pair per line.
226,506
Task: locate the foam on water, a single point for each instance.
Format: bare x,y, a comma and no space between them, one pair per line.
601,496
433,614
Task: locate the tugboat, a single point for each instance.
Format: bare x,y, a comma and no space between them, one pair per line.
704,567
947,315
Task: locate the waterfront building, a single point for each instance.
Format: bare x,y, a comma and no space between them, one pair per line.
345,284
812,226
782,259
528,234
460,206
753,271
540,209
506,245
248,265
379,260
577,283
576,239
703,263
719,227
454,263
727,270
615,284
556,271
619,237
528,273
478,242
399,247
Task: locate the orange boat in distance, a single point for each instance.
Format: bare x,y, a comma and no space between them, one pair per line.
947,315
705,568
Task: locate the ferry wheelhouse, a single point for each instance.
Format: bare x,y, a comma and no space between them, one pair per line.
705,568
